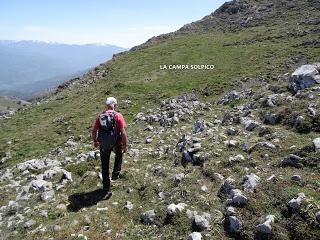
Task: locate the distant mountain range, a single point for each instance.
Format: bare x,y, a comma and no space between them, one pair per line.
29,67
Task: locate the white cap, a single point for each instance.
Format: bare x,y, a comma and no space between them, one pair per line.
111,101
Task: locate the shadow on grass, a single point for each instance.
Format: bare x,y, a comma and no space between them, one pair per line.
86,199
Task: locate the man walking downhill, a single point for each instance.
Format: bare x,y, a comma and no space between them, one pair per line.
109,135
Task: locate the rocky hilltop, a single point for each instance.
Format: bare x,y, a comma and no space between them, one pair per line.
229,153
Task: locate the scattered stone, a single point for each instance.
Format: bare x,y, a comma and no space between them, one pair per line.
295,203
304,77
129,205
316,143
250,182
47,196
238,199
35,164
232,131
62,207
265,228
293,161
271,118
202,222
198,126
296,178
148,217
234,224
195,236
29,224
229,97
318,216
57,228
178,177
176,208
227,186
6,175
231,211
44,213
149,140
13,207
236,159
204,188
149,128
249,124
259,145
231,143
41,185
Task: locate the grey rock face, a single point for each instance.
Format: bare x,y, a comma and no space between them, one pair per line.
195,236
202,222
148,217
295,203
316,143
250,182
304,77
265,228
234,224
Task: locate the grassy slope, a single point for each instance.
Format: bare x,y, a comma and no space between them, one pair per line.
136,76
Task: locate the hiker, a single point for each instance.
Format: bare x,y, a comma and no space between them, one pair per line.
110,126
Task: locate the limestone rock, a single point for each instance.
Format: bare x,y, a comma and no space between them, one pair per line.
316,143
234,224
250,182
148,217
295,203
304,77
175,208
195,236
266,228
238,198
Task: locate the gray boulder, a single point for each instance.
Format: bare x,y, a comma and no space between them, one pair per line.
249,124
266,228
234,224
292,160
318,216
304,77
250,182
199,126
229,97
129,205
202,222
41,185
295,203
47,196
195,236
148,217
238,199
29,223
271,118
227,186
316,143
176,208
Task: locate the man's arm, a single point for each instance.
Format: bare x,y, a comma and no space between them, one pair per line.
124,139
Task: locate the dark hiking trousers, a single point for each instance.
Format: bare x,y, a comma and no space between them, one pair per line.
105,162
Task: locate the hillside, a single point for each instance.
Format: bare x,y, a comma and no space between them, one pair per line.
230,158
29,67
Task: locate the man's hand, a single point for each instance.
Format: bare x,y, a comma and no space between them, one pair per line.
125,149
96,144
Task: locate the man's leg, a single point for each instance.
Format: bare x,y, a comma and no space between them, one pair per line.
105,159
117,162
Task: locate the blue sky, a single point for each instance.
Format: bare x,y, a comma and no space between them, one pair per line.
121,22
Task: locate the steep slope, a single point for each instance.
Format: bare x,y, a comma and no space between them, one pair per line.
255,60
